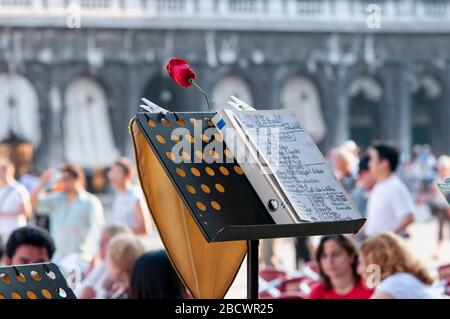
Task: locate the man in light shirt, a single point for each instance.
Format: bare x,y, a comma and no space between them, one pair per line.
15,205
76,216
390,206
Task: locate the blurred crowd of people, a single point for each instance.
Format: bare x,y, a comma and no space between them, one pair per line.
105,251
387,189
107,247
381,267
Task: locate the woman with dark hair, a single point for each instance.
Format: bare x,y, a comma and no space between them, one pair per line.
338,263
153,277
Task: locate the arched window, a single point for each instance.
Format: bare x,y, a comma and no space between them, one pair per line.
365,95
426,91
88,135
19,109
231,85
301,95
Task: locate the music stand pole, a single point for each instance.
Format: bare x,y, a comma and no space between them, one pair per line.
252,269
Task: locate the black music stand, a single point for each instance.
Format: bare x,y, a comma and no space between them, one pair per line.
218,195
34,281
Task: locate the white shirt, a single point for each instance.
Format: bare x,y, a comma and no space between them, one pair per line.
76,227
11,197
388,203
95,280
406,286
124,207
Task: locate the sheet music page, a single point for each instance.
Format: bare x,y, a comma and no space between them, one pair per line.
297,165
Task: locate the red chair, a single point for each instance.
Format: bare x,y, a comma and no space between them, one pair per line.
311,269
313,265
270,279
273,283
271,273
291,295
302,285
292,284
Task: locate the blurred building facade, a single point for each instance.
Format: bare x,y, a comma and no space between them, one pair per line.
72,72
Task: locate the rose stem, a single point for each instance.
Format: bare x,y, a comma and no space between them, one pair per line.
203,92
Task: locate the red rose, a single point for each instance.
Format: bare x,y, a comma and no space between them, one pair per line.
180,71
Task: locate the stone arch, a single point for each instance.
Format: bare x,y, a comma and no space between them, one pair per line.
425,93
88,137
302,95
231,85
19,109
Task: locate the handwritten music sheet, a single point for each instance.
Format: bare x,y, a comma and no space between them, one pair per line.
297,164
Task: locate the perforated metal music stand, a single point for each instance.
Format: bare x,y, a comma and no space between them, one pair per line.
34,281
218,195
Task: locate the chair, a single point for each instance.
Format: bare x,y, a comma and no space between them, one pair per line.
291,295
302,285
270,279
274,283
271,273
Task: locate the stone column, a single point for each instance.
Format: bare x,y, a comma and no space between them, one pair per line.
342,131
440,118
133,98
53,126
395,109
335,104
